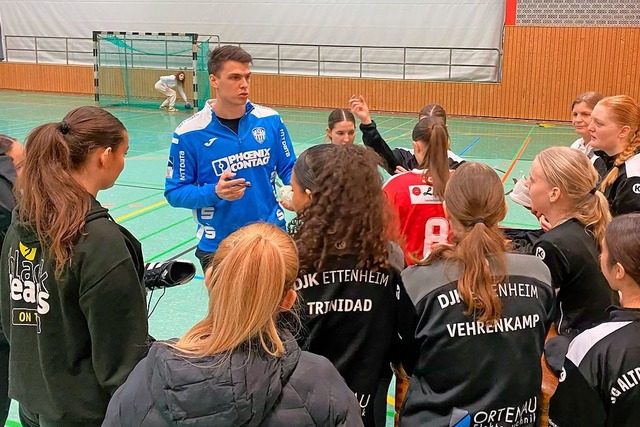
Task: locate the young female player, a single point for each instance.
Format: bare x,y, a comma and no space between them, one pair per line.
11,162
240,365
341,127
416,195
483,317
73,304
599,383
562,185
355,310
396,159
615,134
167,85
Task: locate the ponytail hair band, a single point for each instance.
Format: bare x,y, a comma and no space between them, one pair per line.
478,220
64,127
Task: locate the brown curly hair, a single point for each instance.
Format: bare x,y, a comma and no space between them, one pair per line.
348,212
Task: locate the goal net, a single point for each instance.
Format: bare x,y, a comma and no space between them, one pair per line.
128,65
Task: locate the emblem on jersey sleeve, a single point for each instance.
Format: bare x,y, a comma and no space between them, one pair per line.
259,134
540,253
636,188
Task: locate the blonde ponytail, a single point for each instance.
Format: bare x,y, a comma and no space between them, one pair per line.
253,269
572,172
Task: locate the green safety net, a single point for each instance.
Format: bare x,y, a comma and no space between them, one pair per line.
204,87
129,66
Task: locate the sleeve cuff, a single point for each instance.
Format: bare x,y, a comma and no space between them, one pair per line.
370,126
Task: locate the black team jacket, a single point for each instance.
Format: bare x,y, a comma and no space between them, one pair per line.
624,193
471,373
583,294
361,320
599,384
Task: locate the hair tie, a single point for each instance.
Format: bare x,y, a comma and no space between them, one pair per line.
593,190
478,220
64,127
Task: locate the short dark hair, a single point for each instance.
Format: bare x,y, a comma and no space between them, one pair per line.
222,54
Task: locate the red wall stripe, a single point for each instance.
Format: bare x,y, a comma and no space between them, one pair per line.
510,12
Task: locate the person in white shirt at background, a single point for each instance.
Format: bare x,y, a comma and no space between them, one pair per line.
167,85
581,119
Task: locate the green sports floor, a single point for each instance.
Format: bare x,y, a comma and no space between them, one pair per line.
136,201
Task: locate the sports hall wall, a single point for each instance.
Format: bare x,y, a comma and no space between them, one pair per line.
544,67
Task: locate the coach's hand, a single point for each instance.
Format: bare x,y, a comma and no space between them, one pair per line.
230,189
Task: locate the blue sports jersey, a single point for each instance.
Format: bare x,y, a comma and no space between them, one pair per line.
202,148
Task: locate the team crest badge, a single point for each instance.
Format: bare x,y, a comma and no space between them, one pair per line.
27,252
259,134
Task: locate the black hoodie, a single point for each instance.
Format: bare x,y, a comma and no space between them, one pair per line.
74,339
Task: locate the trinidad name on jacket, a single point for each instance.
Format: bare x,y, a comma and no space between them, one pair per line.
337,276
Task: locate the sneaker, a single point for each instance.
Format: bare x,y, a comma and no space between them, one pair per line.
520,193
172,109
163,107
158,275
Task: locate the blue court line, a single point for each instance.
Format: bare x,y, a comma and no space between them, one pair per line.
469,147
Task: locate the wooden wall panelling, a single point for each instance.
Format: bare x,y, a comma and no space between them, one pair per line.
544,68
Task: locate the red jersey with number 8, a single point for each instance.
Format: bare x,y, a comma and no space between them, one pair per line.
421,219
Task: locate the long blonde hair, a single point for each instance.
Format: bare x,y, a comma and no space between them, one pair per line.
251,272
571,171
477,210
624,111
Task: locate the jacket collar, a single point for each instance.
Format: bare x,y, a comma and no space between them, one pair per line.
208,107
621,314
608,160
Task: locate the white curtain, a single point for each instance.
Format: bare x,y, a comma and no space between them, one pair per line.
375,23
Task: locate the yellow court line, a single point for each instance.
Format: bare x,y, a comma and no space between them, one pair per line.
139,211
